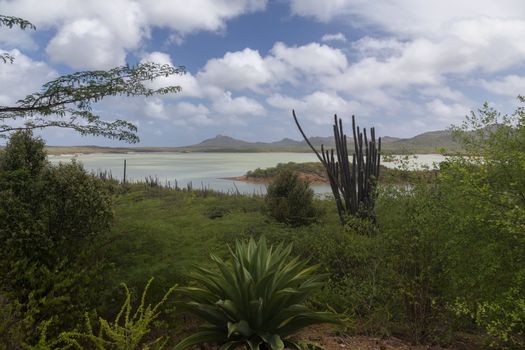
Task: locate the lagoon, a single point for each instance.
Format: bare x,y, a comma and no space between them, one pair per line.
206,170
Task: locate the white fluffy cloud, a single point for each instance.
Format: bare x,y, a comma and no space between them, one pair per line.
22,77
154,108
334,37
391,66
311,59
239,70
86,44
247,69
97,34
188,83
318,107
510,85
228,105
17,38
187,16
192,114
407,17
449,113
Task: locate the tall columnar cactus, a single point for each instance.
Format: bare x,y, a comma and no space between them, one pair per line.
353,186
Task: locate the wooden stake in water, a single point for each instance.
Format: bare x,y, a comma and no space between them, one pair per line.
124,180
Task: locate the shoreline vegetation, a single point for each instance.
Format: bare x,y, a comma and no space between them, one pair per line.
315,174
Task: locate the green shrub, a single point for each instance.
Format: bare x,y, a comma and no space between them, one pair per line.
23,151
48,213
256,300
360,283
11,325
290,200
52,219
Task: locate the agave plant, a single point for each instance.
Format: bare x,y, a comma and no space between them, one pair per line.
256,300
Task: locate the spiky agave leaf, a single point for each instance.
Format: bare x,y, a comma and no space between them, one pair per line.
255,298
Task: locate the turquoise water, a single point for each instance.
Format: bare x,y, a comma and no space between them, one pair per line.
201,169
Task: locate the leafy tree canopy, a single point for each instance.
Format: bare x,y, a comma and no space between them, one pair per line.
66,102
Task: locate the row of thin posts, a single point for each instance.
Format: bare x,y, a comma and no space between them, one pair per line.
353,186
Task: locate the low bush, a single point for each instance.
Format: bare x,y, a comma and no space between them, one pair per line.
290,200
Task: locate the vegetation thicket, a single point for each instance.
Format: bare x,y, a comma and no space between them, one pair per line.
52,216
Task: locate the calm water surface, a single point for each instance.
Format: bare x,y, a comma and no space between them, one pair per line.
202,169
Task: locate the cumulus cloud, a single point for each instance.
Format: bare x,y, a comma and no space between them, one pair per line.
86,44
17,38
96,34
318,107
154,108
466,47
428,41
192,114
334,37
22,77
415,68
228,105
445,112
247,69
188,83
238,70
311,59
510,85
407,17
187,16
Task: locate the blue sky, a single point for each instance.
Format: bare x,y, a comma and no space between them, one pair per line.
405,66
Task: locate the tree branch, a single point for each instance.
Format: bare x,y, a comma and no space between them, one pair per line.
73,95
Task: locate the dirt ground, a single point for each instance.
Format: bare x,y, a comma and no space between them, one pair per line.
328,339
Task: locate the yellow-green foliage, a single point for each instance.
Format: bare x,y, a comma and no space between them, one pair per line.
129,331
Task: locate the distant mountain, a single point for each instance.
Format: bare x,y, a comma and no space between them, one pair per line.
429,142
389,139
223,141
287,142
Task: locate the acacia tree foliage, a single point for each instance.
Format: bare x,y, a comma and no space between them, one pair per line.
10,22
67,102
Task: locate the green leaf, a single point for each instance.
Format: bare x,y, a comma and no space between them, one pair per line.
204,336
241,328
274,341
